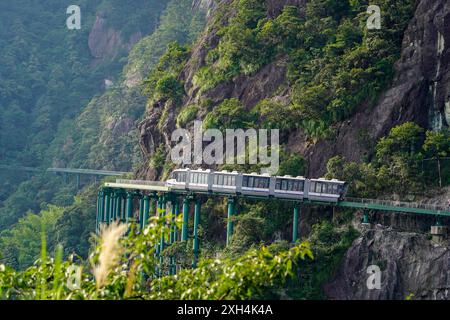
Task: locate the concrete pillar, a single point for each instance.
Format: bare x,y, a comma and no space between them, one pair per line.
230,223
438,232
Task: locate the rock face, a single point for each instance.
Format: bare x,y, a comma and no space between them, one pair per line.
420,91
206,5
409,262
105,42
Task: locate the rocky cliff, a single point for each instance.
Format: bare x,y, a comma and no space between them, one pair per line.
410,264
105,42
419,92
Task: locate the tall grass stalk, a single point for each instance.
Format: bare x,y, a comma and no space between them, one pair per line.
110,251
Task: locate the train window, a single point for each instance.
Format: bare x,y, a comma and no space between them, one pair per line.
263,183
301,185
318,187
335,189
278,184
295,185
291,185
283,185
312,186
250,182
233,181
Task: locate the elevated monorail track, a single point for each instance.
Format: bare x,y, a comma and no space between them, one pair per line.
117,200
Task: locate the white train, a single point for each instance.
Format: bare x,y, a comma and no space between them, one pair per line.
253,184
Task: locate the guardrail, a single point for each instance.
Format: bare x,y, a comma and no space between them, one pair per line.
141,182
400,204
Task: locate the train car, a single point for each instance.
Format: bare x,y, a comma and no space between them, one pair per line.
290,187
326,190
254,184
178,180
199,180
226,182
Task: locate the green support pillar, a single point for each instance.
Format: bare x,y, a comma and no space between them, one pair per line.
107,214
146,211
99,215
119,206
162,213
129,212
230,223
175,228
295,223
196,245
184,229
175,212
141,210
114,206
173,235
365,219
78,182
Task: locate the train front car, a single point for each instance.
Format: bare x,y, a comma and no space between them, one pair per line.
326,190
226,182
256,185
289,187
178,179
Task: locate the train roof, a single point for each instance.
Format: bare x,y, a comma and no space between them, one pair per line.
291,177
326,180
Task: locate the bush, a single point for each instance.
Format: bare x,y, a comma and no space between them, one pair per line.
187,115
230,114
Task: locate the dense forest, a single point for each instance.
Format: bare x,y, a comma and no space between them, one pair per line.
308,68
